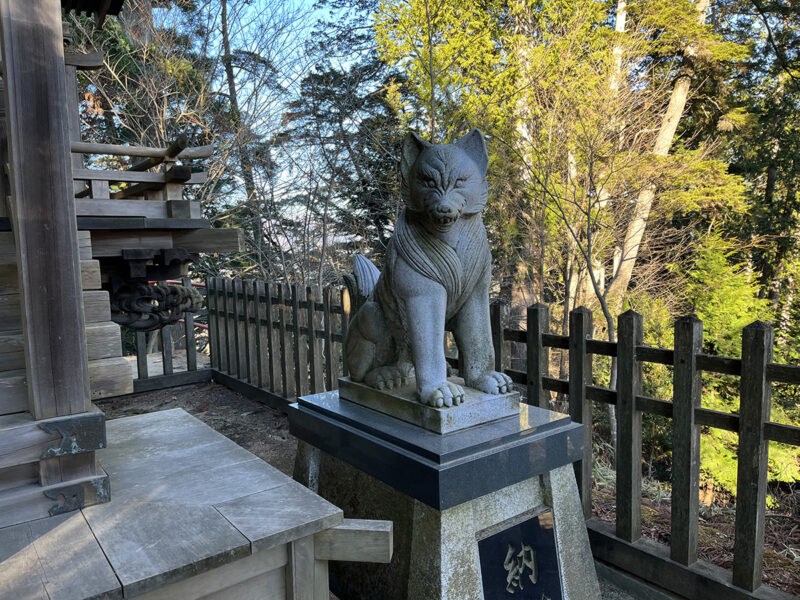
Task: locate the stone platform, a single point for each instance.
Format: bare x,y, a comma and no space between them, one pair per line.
192,514
459,502
402,403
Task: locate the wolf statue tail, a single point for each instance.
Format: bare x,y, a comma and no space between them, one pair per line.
361,282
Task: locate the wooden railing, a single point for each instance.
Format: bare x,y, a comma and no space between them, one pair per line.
279,340
677,568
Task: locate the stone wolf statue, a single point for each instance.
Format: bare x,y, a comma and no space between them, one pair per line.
437,274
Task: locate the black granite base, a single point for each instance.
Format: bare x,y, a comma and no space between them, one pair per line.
440,470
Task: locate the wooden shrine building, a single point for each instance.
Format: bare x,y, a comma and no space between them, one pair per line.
78,250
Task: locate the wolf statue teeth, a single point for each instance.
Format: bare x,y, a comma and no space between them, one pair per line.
437,274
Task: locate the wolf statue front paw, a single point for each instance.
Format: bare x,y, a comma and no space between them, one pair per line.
492,383
447,394
389,377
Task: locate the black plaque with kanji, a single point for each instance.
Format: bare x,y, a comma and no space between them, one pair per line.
521,561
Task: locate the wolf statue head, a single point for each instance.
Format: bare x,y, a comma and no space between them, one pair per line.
444,181
438,268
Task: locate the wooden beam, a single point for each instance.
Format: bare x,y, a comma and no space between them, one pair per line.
122,150
44,215
357,540
90,61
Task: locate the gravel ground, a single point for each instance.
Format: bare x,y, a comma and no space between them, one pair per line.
254,426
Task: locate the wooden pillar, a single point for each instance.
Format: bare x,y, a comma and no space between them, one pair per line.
43,212
43,220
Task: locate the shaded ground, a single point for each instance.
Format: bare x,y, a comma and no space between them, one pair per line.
254,426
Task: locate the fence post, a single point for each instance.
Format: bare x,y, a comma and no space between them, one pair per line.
497,310
166,344
211,309
686,390
247,314
538,355
751,485
141,354
629,427
344,298
227,296
287,373
314,350
188,330
258,315
580,407
237,325
330,376
273,360
300,349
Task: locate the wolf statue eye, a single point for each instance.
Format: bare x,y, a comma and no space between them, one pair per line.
461,182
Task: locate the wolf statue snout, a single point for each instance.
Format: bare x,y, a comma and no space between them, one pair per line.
437,274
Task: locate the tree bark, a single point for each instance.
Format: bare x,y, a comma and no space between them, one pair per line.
245,161
644,201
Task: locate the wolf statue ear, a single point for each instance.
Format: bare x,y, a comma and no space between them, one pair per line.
413,145
475,147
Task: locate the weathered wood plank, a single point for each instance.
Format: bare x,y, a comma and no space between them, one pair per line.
284,340
112,243
141,355
13,392
110,377
686,386
751,482
81,570
629,428
259,575
216,239
132,176
143,151
580,406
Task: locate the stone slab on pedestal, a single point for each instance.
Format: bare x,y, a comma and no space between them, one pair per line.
402,403
446,493
439,470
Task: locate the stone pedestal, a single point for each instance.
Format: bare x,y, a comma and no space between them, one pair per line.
473,510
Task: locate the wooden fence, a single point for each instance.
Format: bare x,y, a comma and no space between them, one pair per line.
675,568
280,340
